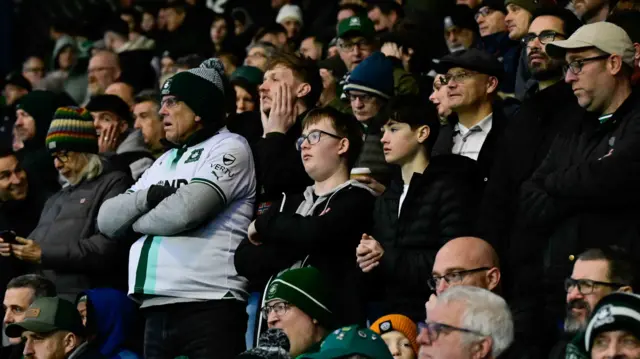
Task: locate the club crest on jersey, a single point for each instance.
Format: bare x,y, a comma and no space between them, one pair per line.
194,156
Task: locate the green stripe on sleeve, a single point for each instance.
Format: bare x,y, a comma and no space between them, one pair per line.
141,271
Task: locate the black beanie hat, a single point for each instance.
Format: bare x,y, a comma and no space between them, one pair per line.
202,89
616,311
111,103
42,105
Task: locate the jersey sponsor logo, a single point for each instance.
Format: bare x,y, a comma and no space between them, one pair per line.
220,171
228,159
194,156
176,183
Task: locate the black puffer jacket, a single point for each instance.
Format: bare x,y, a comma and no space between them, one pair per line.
439,206
75,255
586,194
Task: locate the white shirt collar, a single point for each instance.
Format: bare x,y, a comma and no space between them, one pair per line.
485,125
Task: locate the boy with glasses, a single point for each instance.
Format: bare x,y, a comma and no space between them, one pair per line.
467,322
585,189
322,225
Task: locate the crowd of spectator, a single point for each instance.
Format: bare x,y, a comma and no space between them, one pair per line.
442,179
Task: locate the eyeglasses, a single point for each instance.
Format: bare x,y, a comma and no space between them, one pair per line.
434,329
62,156
313,137
365,98
459,77
349,46
576,65
169,102
279,308
545,37
485,11
453,277
586,286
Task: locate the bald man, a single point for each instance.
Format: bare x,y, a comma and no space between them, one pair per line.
466,261
104,69
122,90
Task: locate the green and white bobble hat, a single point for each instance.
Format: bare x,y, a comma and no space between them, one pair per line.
616,311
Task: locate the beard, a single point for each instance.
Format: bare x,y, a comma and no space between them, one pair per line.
550,70
573,324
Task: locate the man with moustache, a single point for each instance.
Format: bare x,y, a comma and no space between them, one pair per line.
596,273
591,11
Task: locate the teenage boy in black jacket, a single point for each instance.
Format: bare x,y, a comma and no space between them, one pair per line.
431,204
323,225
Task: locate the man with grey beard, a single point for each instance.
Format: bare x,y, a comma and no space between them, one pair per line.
596,273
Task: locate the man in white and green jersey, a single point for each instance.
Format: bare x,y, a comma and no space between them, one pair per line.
193,207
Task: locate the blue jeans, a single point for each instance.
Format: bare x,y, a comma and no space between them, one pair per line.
199,330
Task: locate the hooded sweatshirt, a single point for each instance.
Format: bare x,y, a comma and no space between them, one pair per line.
319,230
112,317
134,152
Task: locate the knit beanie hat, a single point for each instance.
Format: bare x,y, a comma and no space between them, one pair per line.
616,311
111,103
374,76
72,130
307,289
398,323
463,17
41,105
273,344
202,89
289,12
532,5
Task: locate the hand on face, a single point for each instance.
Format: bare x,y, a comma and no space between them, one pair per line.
108,140
283,112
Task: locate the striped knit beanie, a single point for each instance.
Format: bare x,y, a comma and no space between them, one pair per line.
398,323
616,311
202,89
307,289
72,130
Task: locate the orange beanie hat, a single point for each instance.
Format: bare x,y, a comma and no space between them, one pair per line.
398,323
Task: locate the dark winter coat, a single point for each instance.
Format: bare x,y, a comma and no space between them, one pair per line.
519,152
439,206
279,166
327,229
75,255
585,194
372,154
444,143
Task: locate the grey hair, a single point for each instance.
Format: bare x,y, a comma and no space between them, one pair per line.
91,170
484,312
41,286
269,49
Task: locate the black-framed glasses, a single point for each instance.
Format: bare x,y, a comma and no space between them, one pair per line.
587,286
575,66
280,308
485,11
62,156
348,46
457,77
453,277
313,137
434,329
545,37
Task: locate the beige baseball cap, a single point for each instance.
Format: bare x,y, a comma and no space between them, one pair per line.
604,36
